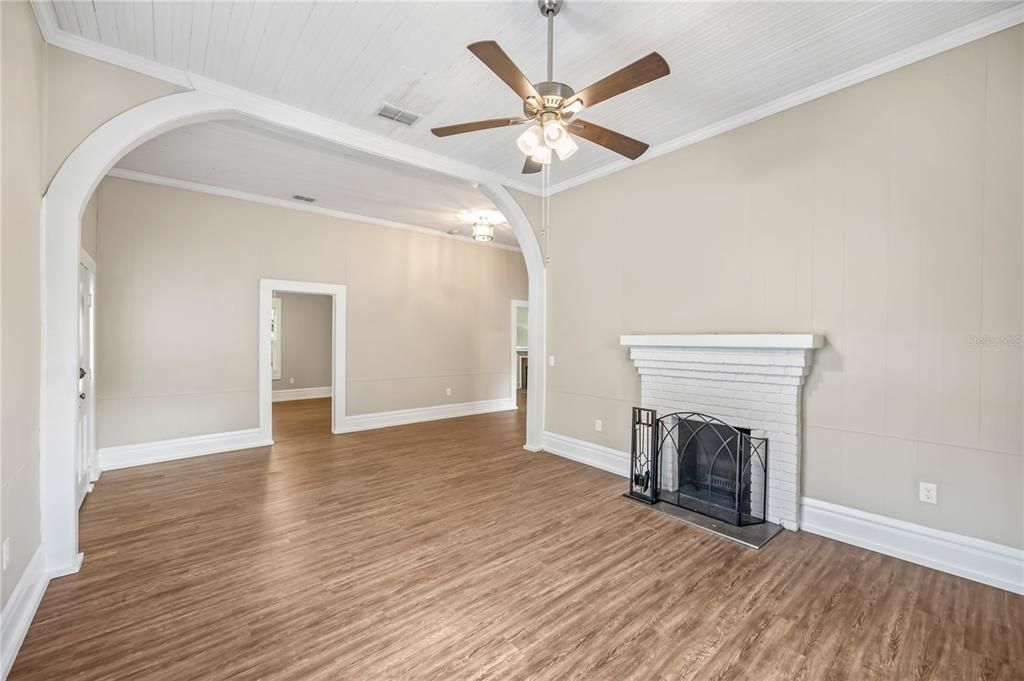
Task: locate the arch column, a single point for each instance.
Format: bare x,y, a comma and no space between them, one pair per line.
536,313
62,208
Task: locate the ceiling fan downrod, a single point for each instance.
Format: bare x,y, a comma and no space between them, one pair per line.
550,9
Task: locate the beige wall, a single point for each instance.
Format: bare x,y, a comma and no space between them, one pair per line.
23,141
887,217
83,94
51,100
306,330
177,310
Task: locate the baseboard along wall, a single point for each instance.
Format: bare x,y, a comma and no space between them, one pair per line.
598,456
127,456
975,559
300,394
21,607
401,417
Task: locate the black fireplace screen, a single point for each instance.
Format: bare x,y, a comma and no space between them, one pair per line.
700,463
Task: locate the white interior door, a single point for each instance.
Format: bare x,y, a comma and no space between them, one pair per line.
85,383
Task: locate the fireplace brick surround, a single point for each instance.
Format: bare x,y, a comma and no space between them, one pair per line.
751,381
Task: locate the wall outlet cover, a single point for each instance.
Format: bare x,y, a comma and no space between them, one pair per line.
928,492
6,553
551,360
598,425
447,391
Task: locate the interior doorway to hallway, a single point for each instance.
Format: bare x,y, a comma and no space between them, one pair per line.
519,377
301,355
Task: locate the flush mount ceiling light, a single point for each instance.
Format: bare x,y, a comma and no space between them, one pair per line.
483,231
552,106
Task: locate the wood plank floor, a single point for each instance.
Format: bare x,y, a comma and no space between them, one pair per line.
446,551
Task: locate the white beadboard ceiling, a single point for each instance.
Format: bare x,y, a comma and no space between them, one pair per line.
257,159
342,59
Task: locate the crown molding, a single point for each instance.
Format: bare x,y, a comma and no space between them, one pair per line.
47,19
174,183
947,41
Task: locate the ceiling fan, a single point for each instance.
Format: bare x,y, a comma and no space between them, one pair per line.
552,106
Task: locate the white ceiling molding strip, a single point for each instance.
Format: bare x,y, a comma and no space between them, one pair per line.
382,146
991,24
46,17
175,183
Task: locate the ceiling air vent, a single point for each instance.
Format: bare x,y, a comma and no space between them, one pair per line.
300,197
397,114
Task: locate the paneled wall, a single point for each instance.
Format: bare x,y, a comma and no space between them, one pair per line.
887,217
23,142
177,310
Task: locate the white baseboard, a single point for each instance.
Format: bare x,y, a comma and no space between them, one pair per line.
126,456
400,417
598,456
300,394
975,559
17,615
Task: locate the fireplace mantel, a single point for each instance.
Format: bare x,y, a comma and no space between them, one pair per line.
793,341
749,380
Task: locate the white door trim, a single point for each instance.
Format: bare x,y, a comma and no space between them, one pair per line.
62,208
93,452
90,465
337,292
514,374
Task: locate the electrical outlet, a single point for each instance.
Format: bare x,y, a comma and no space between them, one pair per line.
6,553
291,380
551,360
448,391
928,493
597,425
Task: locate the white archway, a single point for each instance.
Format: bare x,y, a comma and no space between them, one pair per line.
62,209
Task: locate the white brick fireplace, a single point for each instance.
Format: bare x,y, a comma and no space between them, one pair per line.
747,380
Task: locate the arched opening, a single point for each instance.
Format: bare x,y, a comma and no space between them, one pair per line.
62,209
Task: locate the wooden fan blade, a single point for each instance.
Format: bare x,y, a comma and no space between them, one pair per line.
642,71
496,60
531,166
609,139
476,125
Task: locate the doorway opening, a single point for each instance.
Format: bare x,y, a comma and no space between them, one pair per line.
86,468
276,340
520,335
300,361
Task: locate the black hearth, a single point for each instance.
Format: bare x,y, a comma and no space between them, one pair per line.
700,463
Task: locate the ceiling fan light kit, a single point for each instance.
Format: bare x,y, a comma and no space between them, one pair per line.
551,106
